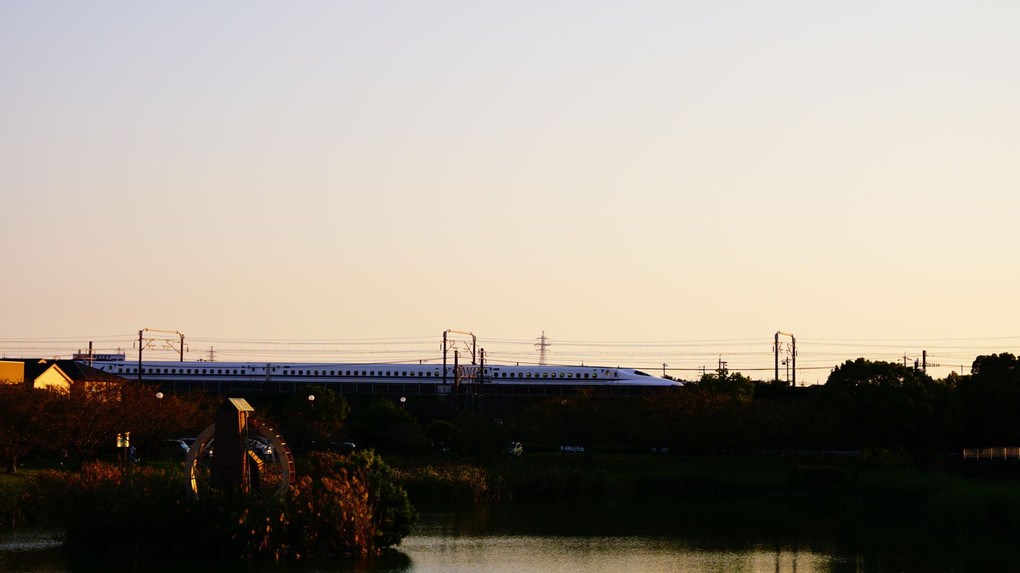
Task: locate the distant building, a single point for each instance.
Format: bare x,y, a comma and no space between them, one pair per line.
38,373
57,374
12,372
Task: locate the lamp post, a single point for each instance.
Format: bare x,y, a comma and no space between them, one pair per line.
311,400
159,425
403,400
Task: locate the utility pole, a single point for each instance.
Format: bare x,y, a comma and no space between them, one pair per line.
793,354
481,373
140,355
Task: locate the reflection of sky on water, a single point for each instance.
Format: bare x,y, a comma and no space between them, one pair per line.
27,540
593,538
30,551
595,554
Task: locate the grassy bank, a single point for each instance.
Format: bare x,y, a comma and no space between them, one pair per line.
857,496
14,511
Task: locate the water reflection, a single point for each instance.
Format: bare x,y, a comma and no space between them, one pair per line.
588,538
31,550
596,554
730,535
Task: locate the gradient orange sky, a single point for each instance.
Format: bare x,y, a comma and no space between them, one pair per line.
602,171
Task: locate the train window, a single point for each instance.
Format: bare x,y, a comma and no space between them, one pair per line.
363,373
585,375
204,371
387,372
529,374
594,375
570,375
428,374
235,371
561,375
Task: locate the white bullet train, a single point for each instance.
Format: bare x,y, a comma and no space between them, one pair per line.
428,378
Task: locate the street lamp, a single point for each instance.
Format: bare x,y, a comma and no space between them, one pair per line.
159,422
311,400
403,400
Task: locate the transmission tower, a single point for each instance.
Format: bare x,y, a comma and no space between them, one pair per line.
542,344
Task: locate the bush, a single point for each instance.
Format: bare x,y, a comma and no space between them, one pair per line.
344,505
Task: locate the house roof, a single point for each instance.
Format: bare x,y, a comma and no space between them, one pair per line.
78,371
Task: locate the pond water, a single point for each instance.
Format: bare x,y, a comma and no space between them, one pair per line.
603,537
438,547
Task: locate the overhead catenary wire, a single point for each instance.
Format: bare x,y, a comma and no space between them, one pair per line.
684,355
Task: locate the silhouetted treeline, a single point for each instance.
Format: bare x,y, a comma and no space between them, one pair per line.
863,404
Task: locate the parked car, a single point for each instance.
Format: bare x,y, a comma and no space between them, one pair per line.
260,446
173,449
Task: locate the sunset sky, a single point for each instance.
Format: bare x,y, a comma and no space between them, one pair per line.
682,177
